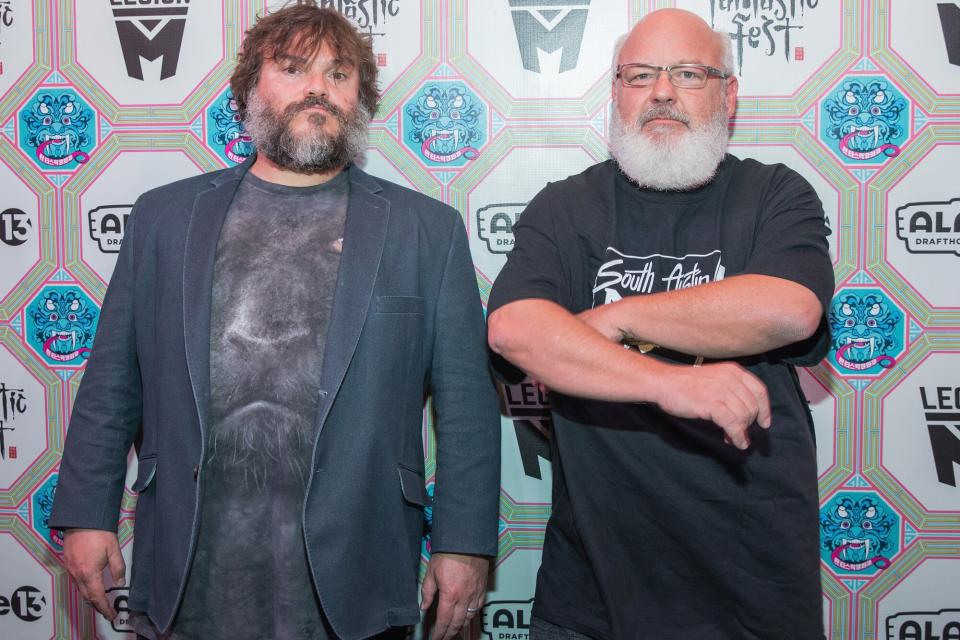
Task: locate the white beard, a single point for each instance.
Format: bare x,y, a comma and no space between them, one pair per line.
669,163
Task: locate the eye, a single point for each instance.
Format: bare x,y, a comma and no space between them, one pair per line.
236,117
871,322
845,524
291,70
849,322
65,120
454,115
867,524
54,317
48,121
434,115
852,111
875,110
72,317
338,76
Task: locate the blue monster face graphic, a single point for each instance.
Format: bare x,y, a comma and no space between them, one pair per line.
858,533
864,330
865,117
226,132
42,505
56,128
445,120
63,325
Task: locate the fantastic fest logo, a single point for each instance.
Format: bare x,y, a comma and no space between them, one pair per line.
867,331
60,325
6,20
445,124
865,120
369,15
765,25
930,227
226,134
13,404
859,533
58,129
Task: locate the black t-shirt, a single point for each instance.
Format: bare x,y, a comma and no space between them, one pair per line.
659,529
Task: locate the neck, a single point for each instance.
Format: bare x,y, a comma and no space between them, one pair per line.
266,169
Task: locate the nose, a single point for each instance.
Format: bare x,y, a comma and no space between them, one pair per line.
662,90
316,84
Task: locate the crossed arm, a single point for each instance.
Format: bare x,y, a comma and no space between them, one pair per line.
582,355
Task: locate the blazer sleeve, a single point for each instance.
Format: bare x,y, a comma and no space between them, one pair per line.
467,489
106,414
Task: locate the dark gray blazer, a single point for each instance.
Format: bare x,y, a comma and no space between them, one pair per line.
406,321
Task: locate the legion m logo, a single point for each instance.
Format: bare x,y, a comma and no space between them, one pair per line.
859,533
151,29
950,23
549,26
941,407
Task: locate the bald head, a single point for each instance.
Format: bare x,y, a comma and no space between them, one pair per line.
674,28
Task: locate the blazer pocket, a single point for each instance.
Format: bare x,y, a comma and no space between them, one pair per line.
146,471
411,484
400,304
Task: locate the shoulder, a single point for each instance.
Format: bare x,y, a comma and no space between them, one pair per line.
584,198
406,202
174,193
763,174
584,184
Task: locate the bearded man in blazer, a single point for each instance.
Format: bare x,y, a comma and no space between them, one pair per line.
271,331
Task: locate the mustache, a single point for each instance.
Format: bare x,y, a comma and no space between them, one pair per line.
312,101
660,112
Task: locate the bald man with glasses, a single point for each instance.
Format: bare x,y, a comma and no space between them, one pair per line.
665,297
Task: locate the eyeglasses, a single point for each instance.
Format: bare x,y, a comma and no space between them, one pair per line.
684,76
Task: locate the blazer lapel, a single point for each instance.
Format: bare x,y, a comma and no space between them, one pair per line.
209,211
364,233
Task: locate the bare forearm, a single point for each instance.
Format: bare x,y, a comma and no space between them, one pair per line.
565,354
742,315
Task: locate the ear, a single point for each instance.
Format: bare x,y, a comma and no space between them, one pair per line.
733,87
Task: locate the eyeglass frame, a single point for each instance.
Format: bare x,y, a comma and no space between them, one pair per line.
712,72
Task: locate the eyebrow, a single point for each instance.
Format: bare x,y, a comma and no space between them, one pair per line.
336,63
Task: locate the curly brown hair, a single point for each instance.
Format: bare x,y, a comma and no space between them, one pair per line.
304,27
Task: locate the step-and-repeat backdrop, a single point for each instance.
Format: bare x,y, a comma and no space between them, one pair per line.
484,101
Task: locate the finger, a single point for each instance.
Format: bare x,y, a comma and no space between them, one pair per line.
428,590
441,625
118,568
93,591
458,617
732,425
760,395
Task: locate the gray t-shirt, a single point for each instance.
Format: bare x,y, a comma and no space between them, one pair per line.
274,278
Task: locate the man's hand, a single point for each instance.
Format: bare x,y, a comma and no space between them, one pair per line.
724,393
85,553
462,583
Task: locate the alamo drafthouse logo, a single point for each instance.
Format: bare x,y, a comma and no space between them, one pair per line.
941,406
549,26
150,29
859,533
763,25
107,225
15,226
507,619
924,625
26,603
930,227
13,404
495,225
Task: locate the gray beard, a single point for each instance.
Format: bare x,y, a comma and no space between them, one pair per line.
314,152
670,163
